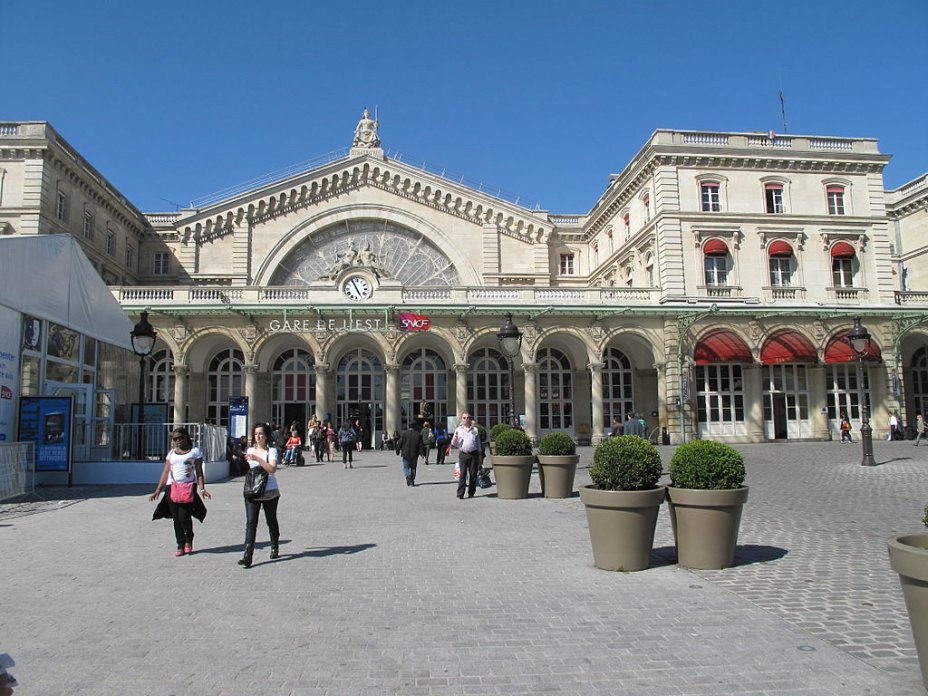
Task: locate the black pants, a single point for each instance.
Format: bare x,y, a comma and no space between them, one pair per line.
469,462
252,509
319,448
440,453
346,453
182,515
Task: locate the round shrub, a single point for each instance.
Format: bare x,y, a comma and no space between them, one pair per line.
513,443
625,463
925,517
706,465
557,445
497,429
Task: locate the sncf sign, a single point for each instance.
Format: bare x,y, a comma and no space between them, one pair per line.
413,322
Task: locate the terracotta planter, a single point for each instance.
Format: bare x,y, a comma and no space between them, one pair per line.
908,556
622,525
705,525
557,474
513,475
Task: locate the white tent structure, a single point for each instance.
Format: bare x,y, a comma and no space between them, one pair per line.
49,277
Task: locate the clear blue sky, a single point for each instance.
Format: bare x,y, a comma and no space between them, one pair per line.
176,99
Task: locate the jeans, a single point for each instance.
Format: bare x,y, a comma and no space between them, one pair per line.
469,462
183,521
409,469
921,435
347,449
252,509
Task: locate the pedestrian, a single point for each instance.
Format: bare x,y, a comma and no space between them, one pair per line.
262,453
845,428
440,434
617,427
346,439
467,439
330,440
632,425
894,433
427,440
319,442
407,448
358,435
183,465
921,429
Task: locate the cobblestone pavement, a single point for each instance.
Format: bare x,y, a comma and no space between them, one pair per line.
385,589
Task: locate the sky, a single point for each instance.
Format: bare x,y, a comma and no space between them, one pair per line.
174,100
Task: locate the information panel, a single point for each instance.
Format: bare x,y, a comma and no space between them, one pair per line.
48,421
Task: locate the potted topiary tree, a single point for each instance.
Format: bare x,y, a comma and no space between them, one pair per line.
706,496
494,433
557,465
512,464
623,502
908,556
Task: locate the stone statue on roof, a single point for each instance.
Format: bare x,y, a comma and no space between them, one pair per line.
365,134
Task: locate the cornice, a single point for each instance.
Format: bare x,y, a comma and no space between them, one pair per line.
352,174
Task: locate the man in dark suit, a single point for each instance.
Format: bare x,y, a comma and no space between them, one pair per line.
407,448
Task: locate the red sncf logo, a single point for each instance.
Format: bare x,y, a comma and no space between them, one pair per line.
413,322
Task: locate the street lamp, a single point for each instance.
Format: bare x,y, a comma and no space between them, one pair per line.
143,342
510,342
859,340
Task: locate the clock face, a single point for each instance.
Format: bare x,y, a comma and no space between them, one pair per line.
357,288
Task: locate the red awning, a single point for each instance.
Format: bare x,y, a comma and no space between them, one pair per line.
838,351
715,247
721,347
773,187
835,189
780,248
788,347
842,250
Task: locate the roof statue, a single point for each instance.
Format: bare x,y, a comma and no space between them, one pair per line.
365,133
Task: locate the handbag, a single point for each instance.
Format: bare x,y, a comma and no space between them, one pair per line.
483,479
181,492
255,482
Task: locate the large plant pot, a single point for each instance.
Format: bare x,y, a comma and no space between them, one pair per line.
513,475
557,474
622,526
908,556
705,525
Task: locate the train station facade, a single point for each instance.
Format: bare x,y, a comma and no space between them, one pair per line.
709,289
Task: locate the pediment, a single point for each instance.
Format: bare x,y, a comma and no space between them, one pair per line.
357,171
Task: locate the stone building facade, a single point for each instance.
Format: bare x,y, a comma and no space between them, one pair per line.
708,289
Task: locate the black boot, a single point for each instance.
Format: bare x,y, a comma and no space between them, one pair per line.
246,559
275,549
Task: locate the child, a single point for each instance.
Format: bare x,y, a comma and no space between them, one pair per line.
294,444
845,429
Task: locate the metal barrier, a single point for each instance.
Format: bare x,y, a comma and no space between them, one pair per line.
96,442
17,469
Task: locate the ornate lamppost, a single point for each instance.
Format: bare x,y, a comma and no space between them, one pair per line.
859,340
510,343
143,342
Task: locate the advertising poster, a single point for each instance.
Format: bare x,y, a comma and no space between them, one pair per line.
9,371
47,421
238,416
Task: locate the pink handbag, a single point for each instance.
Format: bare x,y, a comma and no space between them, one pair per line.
181,492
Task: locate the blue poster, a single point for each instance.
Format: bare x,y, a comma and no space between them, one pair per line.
238,416
47,421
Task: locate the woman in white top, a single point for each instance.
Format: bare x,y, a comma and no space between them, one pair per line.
264,454
183,464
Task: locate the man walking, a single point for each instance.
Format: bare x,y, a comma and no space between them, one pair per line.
408,450
467,439
921,428
633,426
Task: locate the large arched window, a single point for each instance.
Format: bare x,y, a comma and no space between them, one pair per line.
555,391
919,382
719,357
618,388
160,378
359,386
424,382
223,379
293,387
488,386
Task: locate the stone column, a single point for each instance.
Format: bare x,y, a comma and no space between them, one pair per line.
392,415
818,399
251,391
531,400
322,390
180,393
596,390
460,388
754,402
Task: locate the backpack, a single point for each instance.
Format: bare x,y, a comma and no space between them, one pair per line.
346,437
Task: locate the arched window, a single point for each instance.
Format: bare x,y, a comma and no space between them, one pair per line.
359,387
555,391
780,260
160,387
488,386
716,262
618,386
223,379
919,382
293,387
424,380
842,265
